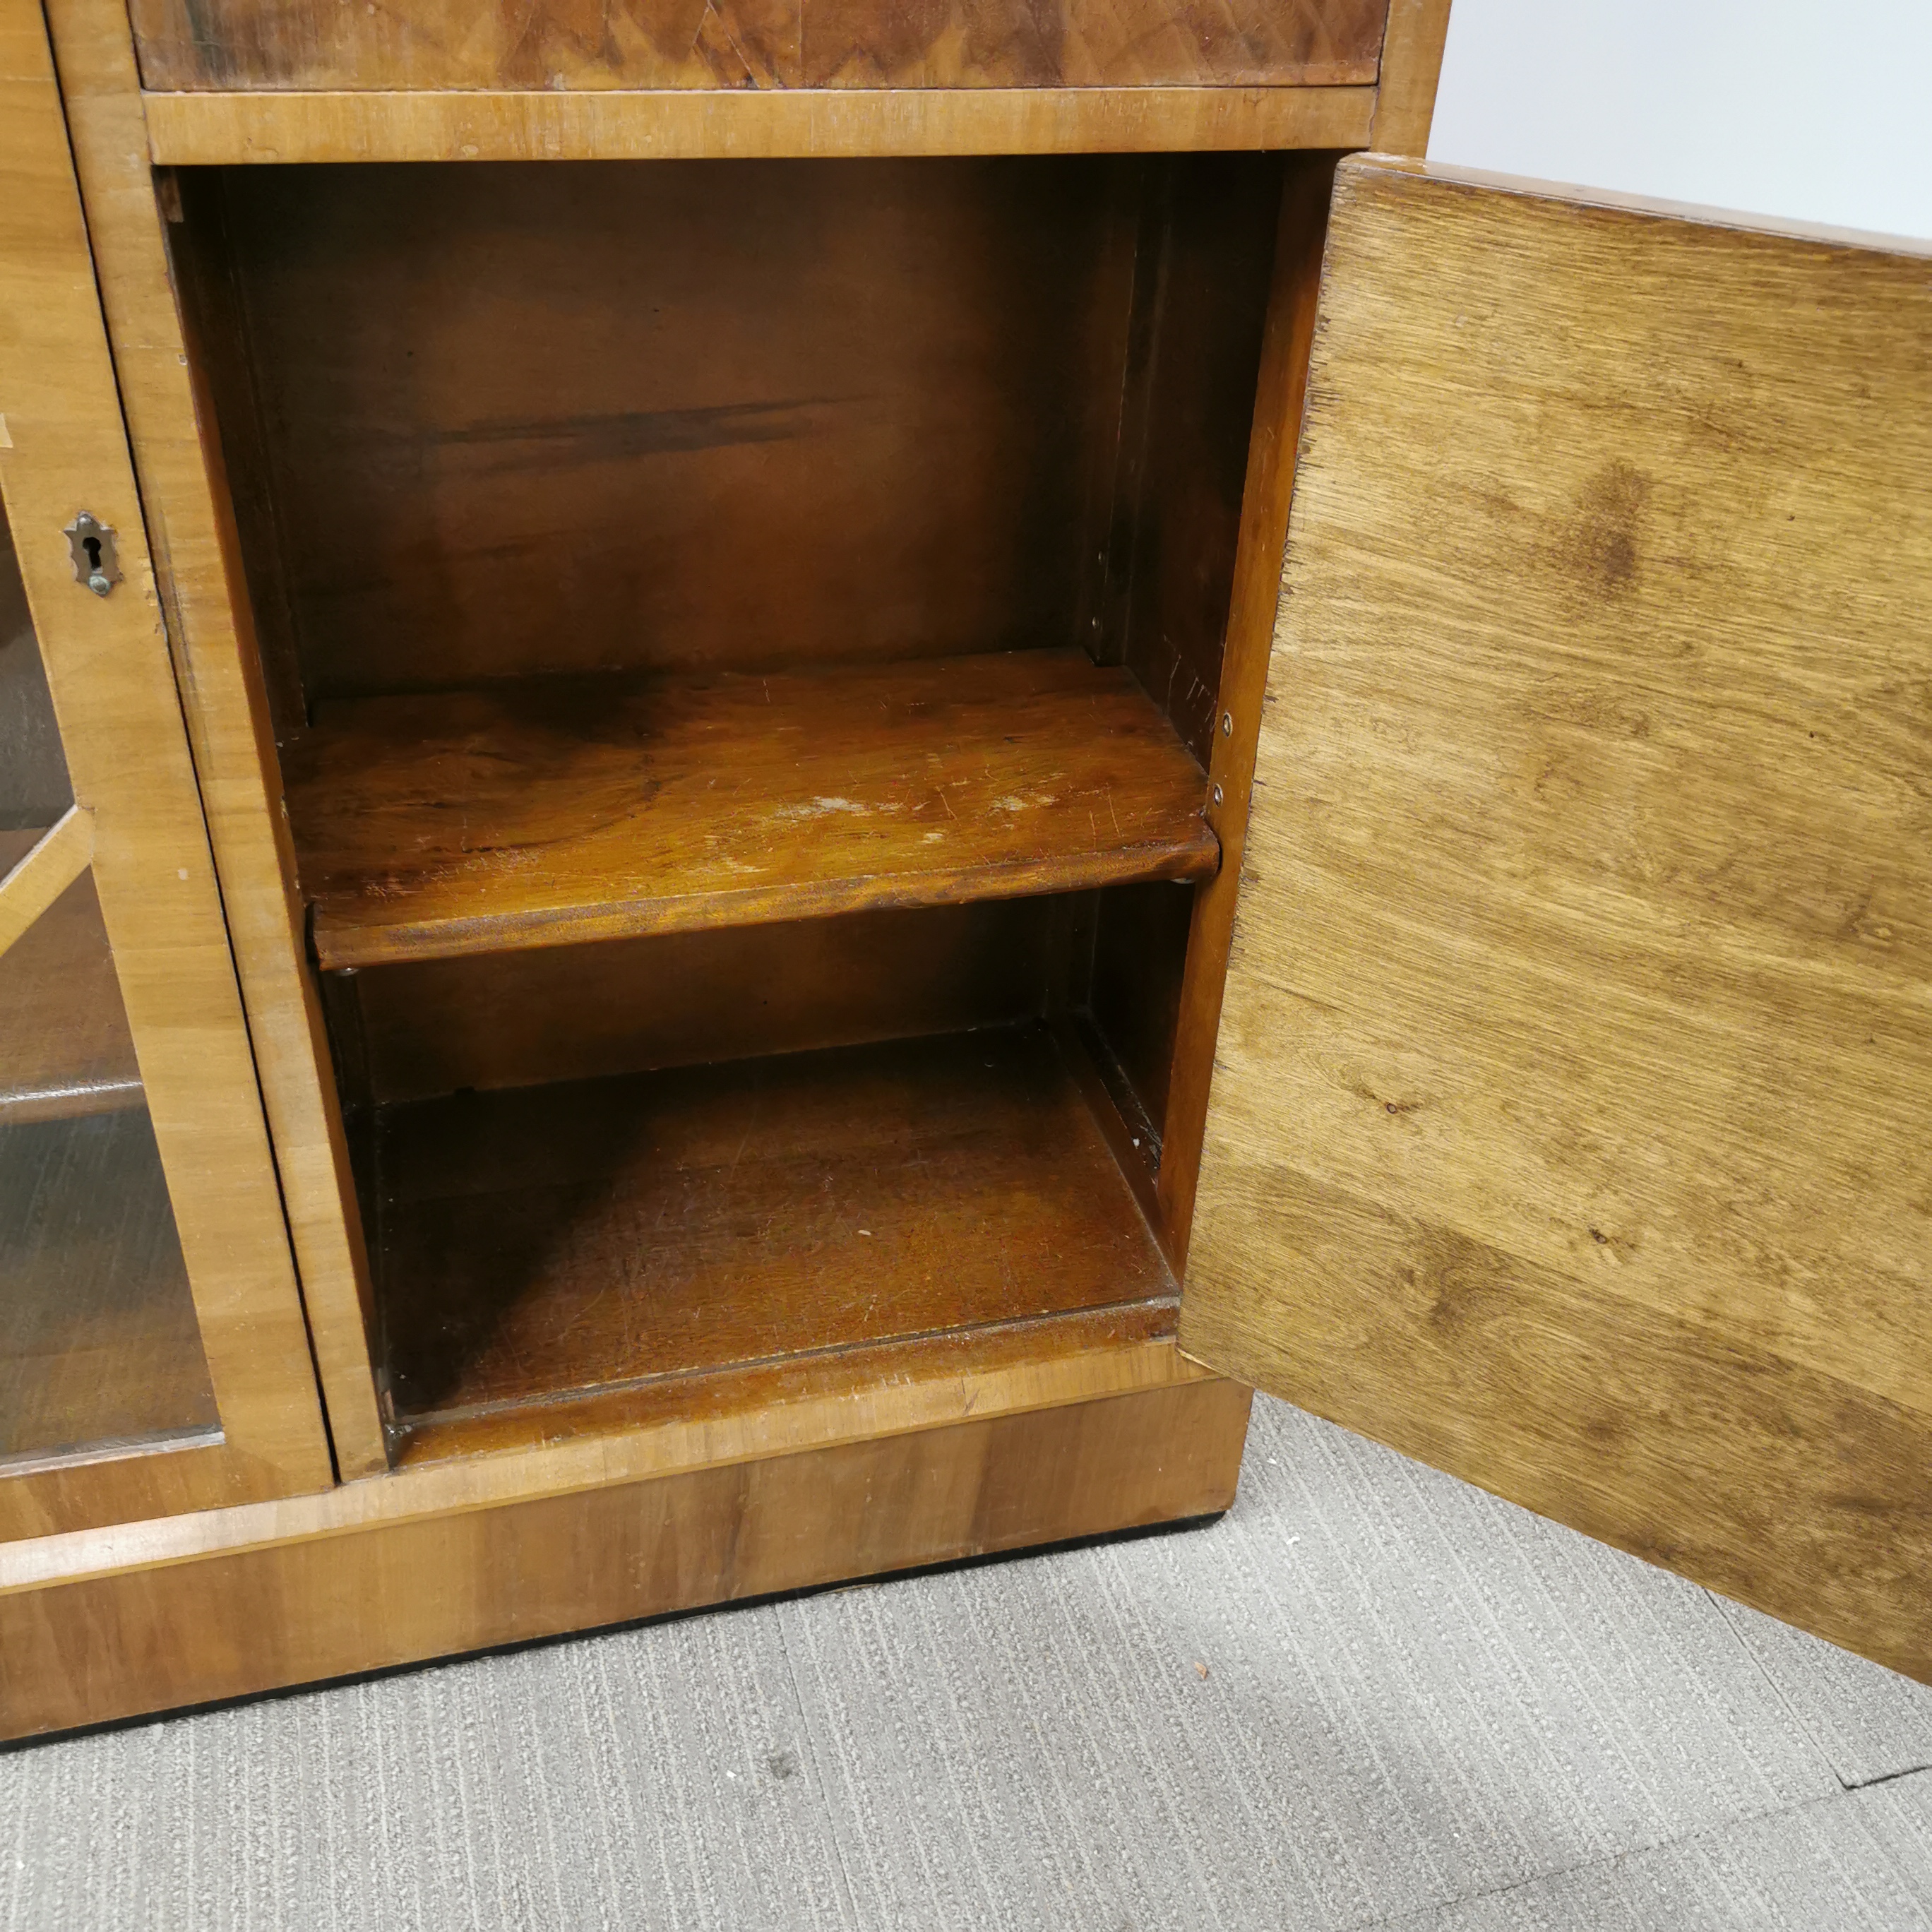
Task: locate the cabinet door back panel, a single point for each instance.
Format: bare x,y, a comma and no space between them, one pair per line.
1572,1125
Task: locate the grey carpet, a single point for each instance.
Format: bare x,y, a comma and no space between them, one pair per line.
1370,1697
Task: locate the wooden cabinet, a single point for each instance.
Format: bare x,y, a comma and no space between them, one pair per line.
732,628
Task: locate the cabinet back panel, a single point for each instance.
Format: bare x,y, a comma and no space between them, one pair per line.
571,1013
546,417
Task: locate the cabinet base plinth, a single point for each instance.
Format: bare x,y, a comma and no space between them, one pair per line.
339,1601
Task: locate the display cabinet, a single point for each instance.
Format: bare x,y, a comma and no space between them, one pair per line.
835,957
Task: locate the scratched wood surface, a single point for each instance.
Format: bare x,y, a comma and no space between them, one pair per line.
580,44
538,1241
1572,1126
545,812
855,1373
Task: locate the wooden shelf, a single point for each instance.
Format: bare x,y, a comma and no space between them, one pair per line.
543,811
64,1048
538,1244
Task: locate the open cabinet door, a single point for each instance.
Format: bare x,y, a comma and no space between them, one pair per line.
1571,1128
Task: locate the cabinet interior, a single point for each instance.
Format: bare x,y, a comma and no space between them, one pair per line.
743,640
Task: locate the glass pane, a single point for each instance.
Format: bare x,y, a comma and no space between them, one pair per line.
98,1346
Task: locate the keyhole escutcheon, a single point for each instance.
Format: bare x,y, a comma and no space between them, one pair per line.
90,544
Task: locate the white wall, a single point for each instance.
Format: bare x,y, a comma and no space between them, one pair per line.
1813,110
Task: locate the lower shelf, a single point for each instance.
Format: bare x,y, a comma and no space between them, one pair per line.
541,1242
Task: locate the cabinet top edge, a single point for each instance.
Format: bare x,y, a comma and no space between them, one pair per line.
1367,166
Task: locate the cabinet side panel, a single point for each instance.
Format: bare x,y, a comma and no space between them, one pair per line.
1266,491
1411,69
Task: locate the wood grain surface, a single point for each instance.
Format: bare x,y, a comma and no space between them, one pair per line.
64,1047
113,688
43,871
978,1374
540,1241
553,418
577,1012
347,1589
1572,1126
1411,66
540,813
996,1353
1266,494
740,44
197,573
205,130
1178,516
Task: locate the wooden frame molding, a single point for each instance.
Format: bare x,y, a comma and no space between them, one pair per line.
45,873
120,720
1411,67
188,130
196,558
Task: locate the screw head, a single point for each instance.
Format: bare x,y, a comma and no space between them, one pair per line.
1227,724
99,585
1217,794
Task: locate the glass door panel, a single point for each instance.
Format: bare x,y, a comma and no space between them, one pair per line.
99,1348
154,1357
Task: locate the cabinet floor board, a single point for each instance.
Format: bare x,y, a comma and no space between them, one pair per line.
538,1242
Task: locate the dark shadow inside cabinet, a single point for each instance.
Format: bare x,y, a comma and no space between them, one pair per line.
744,642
